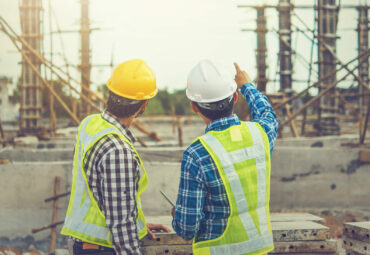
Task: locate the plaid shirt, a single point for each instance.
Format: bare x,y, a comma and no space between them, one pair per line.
112,171
202,207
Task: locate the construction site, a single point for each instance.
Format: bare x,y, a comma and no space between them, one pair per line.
320,166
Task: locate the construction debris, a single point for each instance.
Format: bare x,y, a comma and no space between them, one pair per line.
356,238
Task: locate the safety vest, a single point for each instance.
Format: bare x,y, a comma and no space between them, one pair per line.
84,220
242,157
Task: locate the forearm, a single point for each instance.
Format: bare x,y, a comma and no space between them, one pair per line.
190,199
261,111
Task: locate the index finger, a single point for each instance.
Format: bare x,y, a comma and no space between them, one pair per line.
237,67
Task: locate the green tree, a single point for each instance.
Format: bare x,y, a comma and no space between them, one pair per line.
154,108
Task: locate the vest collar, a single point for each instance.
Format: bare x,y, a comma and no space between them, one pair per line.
223,123
114,121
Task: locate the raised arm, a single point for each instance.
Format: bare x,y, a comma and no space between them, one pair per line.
259,105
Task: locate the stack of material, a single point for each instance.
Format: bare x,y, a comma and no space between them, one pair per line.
293,234
356,238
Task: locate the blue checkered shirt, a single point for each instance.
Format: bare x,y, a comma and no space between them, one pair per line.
202,207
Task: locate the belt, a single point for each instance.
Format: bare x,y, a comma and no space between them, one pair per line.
88,248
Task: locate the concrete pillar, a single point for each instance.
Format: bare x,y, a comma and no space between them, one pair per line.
285,53
261,49
363,47
327,28
31,102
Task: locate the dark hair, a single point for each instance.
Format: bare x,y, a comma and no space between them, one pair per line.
216,110
122,107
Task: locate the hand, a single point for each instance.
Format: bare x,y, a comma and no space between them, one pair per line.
156,228
241,77
173,212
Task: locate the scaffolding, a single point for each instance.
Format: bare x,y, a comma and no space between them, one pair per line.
285,53
261,49
30,86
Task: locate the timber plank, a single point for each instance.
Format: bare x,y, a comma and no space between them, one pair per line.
355,245
357,230
299,231
329,246
167,249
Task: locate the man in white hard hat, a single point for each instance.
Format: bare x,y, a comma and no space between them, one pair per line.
224,191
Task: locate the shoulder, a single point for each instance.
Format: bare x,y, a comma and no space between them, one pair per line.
196,151
112,144
196,161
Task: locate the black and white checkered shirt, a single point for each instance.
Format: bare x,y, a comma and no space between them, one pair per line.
112,170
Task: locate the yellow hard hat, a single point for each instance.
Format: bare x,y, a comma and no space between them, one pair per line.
133,79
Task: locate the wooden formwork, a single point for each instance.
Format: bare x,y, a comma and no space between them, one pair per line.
293,234
356,238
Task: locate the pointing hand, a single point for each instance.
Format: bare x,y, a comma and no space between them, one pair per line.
241,77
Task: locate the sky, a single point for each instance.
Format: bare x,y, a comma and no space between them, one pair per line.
173,36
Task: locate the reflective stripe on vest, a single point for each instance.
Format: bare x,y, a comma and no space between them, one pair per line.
82,199
261,238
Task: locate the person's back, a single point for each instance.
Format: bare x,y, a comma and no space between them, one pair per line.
223,198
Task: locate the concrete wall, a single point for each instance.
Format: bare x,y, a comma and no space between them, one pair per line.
302,177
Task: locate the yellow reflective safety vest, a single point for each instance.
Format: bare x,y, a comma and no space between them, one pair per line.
242,156
84,220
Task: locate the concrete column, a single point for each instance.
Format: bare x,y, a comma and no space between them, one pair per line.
363,47
285,53
327,28
31,102
261,49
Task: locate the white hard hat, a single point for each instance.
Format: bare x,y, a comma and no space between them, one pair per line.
206,85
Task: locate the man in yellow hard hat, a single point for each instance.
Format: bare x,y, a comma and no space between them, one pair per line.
104,214
224,191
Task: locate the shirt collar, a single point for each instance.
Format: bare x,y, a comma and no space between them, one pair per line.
114,121
223,123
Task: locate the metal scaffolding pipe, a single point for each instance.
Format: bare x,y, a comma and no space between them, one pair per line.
363,46
327,27
285,53
31,102
261,30
85,66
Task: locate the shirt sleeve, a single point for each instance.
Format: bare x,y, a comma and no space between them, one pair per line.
261,111
190,199
119,168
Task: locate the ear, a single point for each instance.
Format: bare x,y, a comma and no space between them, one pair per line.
145,104
236,96
194,107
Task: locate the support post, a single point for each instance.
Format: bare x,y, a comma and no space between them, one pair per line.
327,28
85,66
261,49
31,102
363,46
285,53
